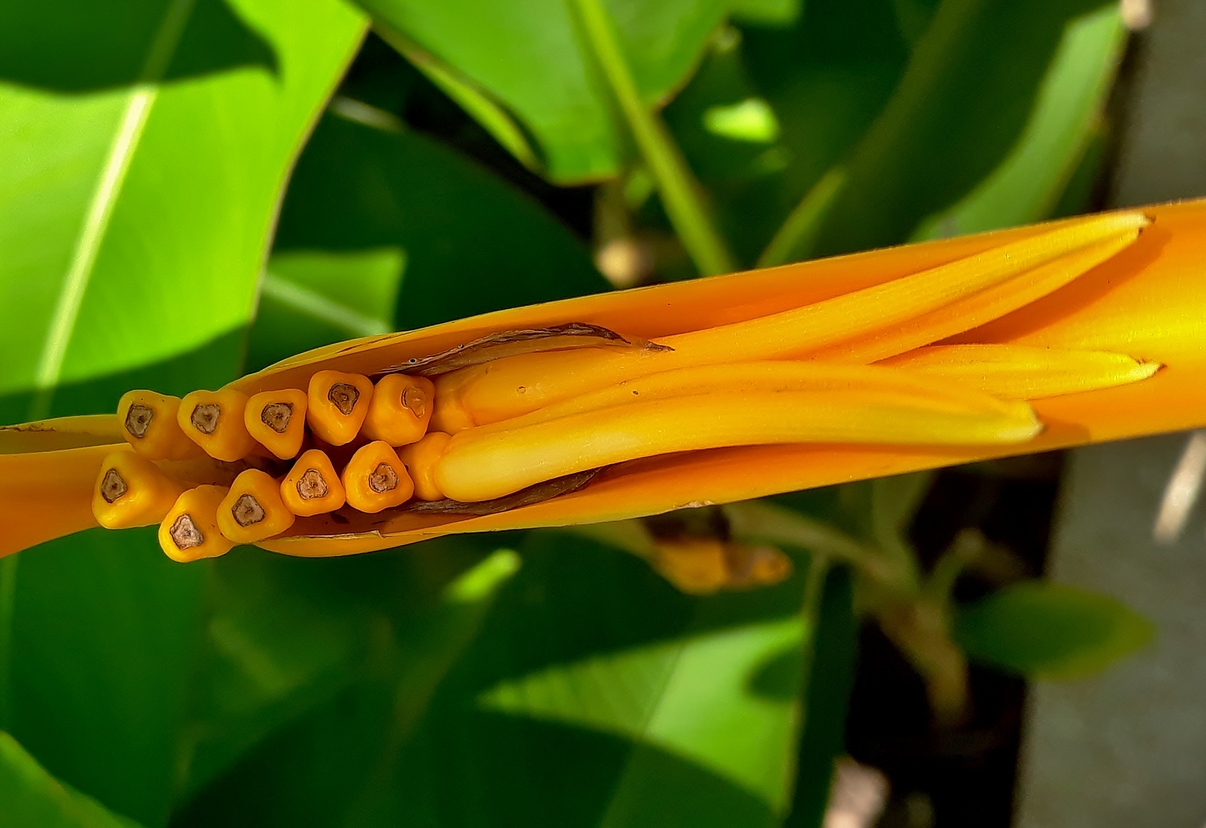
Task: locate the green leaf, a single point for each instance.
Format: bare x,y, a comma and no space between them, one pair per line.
391,203
134,221
414,612
529,59
1046,630
1028,183
105,622
827,697
824,80
580,691
30,796
998,90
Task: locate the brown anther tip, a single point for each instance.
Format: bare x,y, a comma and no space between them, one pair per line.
344,396
113,486
247,511
277,416
205,417
312,485
414,400
185,533
138,419
383,479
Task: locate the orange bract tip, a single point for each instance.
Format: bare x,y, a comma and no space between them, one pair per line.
375,479
148,422
190,531
338,404
253,509
312,487
420,459
214,421
277,419
400,410
132,491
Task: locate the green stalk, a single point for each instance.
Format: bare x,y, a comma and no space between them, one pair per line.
8,594
794,241
679,191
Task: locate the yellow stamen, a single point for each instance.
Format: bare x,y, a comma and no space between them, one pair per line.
400,410
733,381
995,281
420,459
253,510
312,487
1020,372
214,421
149,424
338,404
190,531
132,491
277,420
375,479
494,463
975,309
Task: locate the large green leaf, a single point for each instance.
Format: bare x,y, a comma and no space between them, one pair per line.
588,693
414,612
527,61
993,88
134,220
824,79
30,796
369,204
1046,630
1063,122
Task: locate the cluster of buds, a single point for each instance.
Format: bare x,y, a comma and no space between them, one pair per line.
271,458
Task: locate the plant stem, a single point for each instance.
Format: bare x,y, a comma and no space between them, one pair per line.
679,191
8,592
793,241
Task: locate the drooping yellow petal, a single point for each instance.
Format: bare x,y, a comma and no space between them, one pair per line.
1022,372
914,309
481,465
733,381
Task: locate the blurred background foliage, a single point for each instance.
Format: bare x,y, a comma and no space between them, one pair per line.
193,189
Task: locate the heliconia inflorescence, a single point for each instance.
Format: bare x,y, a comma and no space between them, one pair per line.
391,439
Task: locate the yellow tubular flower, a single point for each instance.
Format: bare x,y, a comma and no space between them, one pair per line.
277,420
149,424
132,491
189,531
1022,372
712,391
253,509
420,459
400,410
338,403
375,479
312,487
214,420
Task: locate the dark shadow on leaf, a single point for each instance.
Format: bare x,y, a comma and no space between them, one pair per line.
473,243
951,123
463,767
778,677
209,366
81,46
